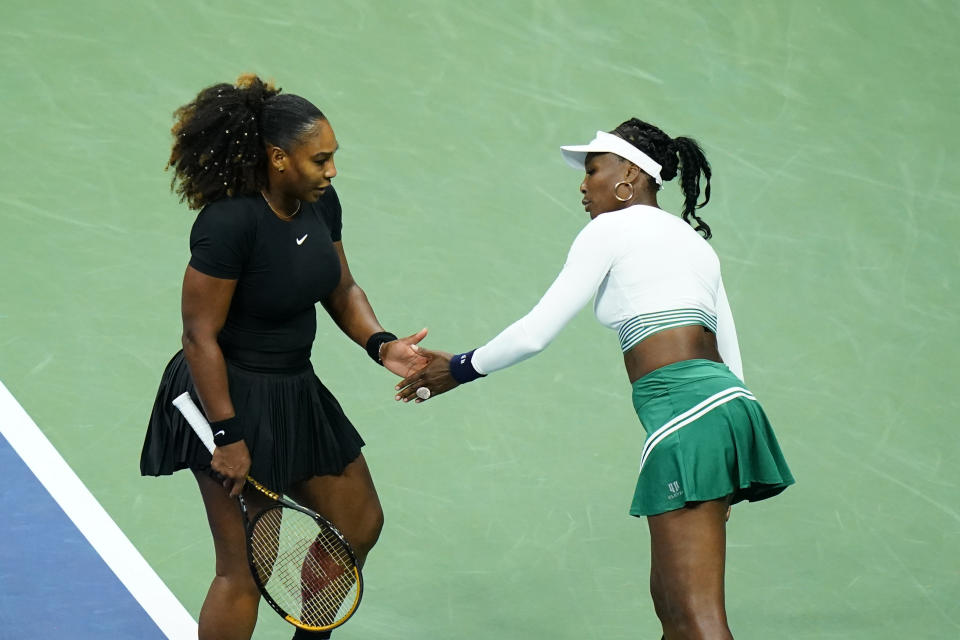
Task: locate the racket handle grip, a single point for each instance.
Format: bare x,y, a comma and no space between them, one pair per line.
184,403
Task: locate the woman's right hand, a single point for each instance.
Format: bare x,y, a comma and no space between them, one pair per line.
232,463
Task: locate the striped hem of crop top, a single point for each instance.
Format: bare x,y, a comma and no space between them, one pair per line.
638,328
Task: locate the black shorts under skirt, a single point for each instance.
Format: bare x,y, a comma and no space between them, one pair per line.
293,426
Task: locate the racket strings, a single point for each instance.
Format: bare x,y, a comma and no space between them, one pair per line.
305,568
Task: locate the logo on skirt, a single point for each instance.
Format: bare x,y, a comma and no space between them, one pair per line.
674,489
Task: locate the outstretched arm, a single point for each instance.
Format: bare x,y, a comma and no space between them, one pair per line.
588,263
350,309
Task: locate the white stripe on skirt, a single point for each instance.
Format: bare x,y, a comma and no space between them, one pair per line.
689,416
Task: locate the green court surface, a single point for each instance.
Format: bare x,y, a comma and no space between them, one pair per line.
831,129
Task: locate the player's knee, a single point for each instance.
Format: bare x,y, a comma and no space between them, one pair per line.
371,527
238,583
691,620
665,607
704,627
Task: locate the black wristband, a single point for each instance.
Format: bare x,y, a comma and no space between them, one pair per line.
374,343
226,431
461,368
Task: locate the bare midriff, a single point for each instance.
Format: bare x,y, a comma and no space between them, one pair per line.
693,342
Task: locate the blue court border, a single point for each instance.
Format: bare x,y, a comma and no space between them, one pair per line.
66,569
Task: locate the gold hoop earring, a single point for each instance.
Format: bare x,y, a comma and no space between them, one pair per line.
280,169
617,195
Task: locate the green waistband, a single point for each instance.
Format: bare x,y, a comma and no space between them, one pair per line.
676,375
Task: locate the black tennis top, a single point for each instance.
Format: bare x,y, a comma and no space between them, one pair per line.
282,267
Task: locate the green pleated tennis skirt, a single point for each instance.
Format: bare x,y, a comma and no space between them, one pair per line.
707,438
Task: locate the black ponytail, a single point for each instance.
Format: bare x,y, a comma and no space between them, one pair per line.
675,155
692,164
220,137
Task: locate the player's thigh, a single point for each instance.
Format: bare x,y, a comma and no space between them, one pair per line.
348,500
688,553
226,522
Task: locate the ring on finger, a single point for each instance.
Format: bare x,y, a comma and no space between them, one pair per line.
423,393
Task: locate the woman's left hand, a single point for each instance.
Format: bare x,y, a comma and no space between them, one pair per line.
435,378
402,356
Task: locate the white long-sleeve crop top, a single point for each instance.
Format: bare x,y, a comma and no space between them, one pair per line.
650,271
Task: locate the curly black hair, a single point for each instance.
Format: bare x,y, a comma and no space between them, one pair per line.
220,136
674,154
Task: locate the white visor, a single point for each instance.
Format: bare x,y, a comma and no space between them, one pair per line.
576,155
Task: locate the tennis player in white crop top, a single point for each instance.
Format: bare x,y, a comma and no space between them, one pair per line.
657,284
649,270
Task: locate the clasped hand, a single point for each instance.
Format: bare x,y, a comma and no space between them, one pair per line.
434,376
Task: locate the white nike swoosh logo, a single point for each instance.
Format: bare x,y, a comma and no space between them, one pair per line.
300,240
220,433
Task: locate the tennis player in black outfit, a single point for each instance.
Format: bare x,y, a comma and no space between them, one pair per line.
265,248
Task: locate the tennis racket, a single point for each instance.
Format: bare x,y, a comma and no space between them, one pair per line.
302,565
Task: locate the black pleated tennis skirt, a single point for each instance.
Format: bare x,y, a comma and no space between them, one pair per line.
294,427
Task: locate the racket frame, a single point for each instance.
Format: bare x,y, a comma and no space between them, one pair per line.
198,422
285,503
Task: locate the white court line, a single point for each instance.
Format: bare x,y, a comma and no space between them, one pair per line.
93,521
